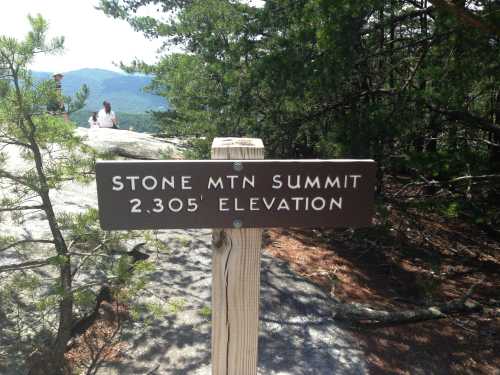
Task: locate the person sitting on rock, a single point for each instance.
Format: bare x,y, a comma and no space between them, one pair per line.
106,117
94,121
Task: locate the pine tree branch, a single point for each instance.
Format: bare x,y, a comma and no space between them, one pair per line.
485,177
10,141
21,242
86,256
19,180
466,17
399,18
21,208
25,266
467,118
89,285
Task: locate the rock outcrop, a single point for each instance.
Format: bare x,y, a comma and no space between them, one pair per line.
130,144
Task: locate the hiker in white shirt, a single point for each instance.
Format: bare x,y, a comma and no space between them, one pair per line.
106,117
93,121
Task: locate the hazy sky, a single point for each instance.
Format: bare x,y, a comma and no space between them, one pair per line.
93,40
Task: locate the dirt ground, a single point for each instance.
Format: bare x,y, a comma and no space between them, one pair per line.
407,260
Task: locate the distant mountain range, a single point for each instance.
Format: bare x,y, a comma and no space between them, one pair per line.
125,92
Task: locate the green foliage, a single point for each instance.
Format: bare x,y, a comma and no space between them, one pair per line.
452,210
410,84
176,305
58,260
26,282
149,310
152,241
84,299
46,303
206,312
122,269
75,250
143,267
198,148
285,72
131,277
157,310
83,227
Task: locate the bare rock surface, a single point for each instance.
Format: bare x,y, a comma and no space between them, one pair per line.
297,334
131,144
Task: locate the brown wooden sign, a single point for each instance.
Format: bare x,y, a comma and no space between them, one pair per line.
235,194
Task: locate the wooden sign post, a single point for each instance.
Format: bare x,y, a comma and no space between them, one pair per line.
236,279
236,193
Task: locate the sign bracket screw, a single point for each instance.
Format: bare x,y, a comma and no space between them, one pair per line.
238,166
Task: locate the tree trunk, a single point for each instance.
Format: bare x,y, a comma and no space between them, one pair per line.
495,138
56,357
66,303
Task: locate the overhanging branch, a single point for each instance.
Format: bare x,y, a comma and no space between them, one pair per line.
467,17
25,265
19,180
468,118
22,242
358,313
457,180
21,208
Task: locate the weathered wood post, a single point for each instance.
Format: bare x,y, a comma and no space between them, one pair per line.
236,278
